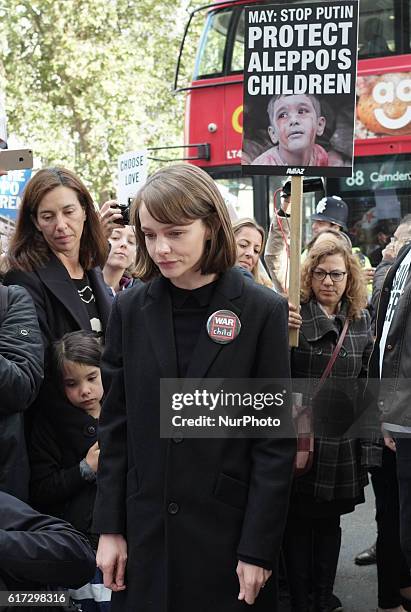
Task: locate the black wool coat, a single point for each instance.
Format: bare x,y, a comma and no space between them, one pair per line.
38,550
59,311
189,508
59,308
60,439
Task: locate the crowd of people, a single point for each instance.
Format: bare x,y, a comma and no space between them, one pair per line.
94,314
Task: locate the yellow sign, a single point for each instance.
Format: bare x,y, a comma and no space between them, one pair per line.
237,127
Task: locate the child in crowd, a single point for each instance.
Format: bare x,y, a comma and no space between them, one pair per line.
295,123
64,450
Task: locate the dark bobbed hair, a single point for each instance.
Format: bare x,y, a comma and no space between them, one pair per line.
28,249
177,195
81,346
356,290
270,107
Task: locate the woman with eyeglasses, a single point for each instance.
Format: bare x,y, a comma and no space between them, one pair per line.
333,295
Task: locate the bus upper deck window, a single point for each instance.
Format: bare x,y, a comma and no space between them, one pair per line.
376,32
210,59
237,60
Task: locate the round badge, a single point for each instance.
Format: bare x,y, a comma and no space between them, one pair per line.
223,326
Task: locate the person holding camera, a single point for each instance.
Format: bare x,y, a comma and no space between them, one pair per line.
121,259
111,216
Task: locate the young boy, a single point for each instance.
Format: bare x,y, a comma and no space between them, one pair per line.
295,123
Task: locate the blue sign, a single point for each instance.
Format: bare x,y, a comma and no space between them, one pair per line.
11,190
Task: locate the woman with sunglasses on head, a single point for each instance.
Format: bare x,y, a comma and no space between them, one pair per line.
335,342
193,524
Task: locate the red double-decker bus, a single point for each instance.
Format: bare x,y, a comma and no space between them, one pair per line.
379,192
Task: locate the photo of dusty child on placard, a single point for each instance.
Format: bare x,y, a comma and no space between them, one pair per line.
295,121
299,89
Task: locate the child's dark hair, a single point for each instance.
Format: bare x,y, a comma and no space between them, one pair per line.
314,101
80,347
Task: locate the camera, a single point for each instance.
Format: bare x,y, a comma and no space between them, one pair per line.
125,213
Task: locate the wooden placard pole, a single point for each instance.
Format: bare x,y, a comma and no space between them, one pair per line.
295,248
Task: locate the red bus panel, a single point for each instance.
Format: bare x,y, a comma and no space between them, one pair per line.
383,125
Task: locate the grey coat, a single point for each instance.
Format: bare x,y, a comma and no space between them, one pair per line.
338,471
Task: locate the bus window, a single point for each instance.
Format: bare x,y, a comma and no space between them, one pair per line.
238,194
378,194
376,30
407,29
237,59
210,59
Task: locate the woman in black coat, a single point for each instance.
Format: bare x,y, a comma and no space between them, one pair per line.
55,253
189,524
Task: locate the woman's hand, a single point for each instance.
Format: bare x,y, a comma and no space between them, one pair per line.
390,252
294,318
369,274
111,559
390,443
388,439
109,214
252,579
92,457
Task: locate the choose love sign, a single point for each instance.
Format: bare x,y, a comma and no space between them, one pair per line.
132,173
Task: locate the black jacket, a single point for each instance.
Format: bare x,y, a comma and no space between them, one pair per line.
21,374
60,439
377,285
59,311
395,392
190,507
38,550
55,297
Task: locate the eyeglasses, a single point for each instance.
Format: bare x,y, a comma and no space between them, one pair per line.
336,275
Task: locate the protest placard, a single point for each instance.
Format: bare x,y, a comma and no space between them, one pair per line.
11,189
299,88
132,174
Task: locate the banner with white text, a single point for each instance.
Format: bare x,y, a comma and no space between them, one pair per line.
299,88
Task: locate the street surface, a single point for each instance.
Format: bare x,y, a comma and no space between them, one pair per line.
355,585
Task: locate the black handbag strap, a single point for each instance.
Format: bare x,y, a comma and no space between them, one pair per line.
333,357
3,302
